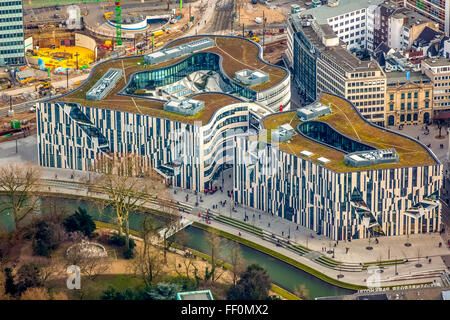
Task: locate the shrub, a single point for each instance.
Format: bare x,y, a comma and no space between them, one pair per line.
112,294
80,221
44,240
187,284
120,241
254,284
128,254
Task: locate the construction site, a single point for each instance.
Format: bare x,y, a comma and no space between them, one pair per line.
60,55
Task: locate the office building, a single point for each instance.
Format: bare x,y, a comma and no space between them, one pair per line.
12,50
321,63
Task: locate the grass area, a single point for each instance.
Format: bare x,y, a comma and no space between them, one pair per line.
240,225
281,257
213,101
240,54
345,119
93,289
46,3
285,294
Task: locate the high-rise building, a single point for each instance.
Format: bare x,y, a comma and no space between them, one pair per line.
436,10
12,50
347,18
321,63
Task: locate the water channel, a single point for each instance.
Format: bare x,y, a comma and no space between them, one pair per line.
283,274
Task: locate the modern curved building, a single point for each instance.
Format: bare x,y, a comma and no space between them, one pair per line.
181,113
327,168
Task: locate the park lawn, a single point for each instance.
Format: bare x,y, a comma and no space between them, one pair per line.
93,289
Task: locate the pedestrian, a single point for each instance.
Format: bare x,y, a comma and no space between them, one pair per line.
297,228
268,224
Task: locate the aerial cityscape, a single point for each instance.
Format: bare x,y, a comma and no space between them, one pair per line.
225,150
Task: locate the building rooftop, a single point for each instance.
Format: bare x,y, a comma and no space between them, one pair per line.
437,62
324,12
195,295
399,78
345,119
336,53
237,54
410,17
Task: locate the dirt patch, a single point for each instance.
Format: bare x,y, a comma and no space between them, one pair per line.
251,11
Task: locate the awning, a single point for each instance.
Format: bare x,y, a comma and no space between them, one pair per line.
443,115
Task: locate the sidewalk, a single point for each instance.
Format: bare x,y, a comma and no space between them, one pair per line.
388,248
407,273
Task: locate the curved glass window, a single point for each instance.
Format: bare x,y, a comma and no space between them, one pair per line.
152,79
324,133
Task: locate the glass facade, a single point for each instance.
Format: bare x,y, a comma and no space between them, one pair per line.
305,66
325,134
200,61
12,51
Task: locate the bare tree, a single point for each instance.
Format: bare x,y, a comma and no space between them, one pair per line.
148,262
237,262
128,185
170,226
215,242
148,232
35,294
187,265
149,265
93,266
19,185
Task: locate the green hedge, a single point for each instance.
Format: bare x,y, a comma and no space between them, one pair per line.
281,257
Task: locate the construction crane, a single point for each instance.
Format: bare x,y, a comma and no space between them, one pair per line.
118,23
108,15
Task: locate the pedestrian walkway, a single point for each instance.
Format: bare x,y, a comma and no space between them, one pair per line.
60,180
261,228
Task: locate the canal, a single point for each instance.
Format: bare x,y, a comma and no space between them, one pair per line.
282,274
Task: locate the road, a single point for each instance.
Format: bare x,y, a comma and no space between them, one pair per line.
26,105
223,18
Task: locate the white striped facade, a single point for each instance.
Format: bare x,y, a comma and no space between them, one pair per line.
320,199
72,136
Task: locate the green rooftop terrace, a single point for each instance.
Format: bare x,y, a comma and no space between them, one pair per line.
237,54
345,120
